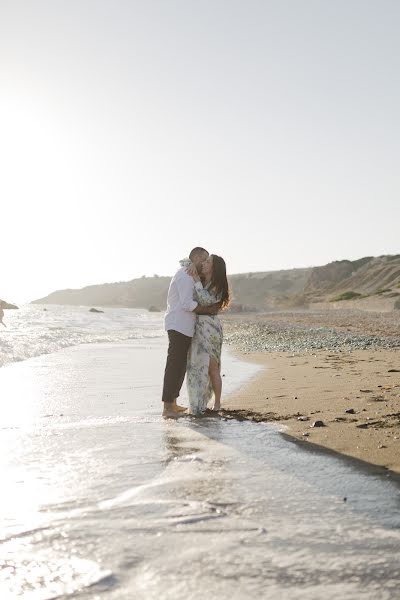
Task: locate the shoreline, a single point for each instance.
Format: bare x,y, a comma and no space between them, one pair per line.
354,392
314,365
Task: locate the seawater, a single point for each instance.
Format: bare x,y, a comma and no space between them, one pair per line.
36,329
102,498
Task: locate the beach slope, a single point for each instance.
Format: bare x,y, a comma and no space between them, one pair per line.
330,379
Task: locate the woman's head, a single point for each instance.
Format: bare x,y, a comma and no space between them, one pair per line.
214,269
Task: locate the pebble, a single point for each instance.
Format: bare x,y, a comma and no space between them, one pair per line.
282,336
318,424
303,418
350,411
262,530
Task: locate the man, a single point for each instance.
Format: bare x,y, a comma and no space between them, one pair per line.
180,320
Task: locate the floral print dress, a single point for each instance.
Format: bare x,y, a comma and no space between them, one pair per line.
206,344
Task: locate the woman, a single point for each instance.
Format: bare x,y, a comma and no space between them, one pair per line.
203,373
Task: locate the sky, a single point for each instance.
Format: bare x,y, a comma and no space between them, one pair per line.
131,131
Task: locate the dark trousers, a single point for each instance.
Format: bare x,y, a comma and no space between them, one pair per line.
175,368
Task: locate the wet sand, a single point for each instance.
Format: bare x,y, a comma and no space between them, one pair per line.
354,392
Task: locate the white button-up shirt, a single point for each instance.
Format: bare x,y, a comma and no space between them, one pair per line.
180,304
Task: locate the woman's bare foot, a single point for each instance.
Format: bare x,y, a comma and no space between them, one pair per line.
217,406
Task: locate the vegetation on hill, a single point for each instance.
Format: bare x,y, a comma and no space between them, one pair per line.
346,296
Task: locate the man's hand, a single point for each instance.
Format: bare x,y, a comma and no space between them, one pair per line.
213,309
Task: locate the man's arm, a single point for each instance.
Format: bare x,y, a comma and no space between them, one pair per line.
185,286
207,310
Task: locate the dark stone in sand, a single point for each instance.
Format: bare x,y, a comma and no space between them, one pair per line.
394,371
365,391
95,310
318,424
350,411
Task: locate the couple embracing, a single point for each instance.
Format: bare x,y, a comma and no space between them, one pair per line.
198,291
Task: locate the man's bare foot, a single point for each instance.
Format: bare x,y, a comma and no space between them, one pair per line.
171,412
177,407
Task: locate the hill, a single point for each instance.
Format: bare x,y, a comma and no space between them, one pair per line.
368,280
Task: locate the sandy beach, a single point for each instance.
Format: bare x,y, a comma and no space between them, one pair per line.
337,367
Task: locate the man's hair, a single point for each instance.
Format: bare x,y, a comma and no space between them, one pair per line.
196,251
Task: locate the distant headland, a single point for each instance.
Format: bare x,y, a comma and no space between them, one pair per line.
7,305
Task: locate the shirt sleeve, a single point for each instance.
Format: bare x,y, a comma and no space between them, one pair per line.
185,286
204,297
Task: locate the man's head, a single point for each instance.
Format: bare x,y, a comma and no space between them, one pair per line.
198,256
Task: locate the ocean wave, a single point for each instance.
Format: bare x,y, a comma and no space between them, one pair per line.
33,332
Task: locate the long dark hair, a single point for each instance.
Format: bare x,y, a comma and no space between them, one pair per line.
219,281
